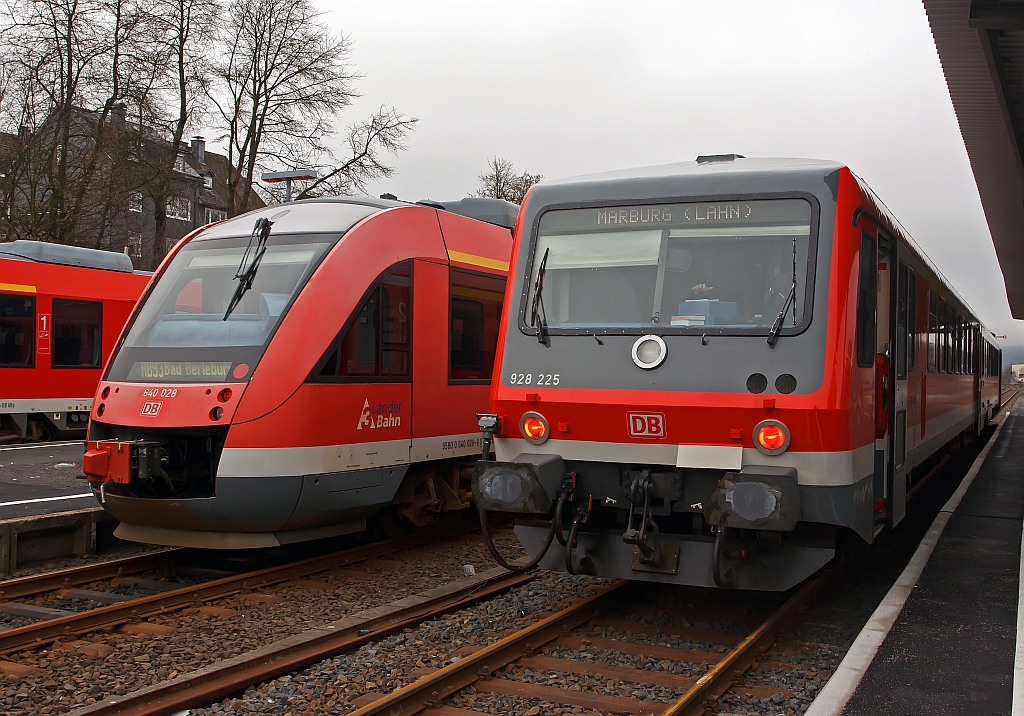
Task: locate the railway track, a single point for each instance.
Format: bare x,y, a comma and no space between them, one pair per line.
124,612
85,574
522,664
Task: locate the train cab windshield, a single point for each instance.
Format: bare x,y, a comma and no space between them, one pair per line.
185,332
671,267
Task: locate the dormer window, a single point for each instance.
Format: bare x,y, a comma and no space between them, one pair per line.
208,181
179,164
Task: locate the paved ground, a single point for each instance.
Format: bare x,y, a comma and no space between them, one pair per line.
38,474
951,650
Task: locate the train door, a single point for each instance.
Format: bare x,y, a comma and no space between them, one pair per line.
885,370
901,342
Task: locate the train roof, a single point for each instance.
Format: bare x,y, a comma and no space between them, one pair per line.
490,211
670,179
43,252
339,214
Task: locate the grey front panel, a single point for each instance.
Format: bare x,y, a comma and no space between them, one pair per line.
725,362
846,506
344,496
242,504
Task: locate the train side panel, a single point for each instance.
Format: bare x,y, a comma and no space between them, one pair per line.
70,318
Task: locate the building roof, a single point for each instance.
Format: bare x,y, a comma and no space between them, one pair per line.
981,48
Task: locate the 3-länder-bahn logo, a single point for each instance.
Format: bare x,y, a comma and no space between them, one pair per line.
380,415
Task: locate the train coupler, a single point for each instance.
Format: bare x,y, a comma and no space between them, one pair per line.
640,490
108,461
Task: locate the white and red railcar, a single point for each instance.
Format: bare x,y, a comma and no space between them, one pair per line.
286,382
61,309
708,370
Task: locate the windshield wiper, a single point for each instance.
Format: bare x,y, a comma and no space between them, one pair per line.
773,335
250,264
538,303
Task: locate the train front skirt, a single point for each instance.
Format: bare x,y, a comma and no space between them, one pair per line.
684,559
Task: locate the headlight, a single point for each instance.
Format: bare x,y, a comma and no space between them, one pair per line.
534,427
771,437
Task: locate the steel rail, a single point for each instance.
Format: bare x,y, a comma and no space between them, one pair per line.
430,690
427,693
49,581
721,677
115,614
232,675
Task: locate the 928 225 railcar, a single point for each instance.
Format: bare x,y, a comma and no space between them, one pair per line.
297,370
708,370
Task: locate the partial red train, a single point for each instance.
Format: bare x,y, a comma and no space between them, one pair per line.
708,371
61,309
294,371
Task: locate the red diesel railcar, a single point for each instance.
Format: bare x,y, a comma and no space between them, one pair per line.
61,309
706,370
285,381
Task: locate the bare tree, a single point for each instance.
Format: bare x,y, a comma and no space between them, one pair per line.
184,45
282,81
71,175
384,131
500,181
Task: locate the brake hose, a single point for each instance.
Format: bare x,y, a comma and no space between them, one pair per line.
540,555
716,558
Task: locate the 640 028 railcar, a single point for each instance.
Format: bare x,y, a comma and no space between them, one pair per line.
300,369
709,370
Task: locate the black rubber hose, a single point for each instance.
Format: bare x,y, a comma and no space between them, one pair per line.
501,560
716,558
557,521
569,566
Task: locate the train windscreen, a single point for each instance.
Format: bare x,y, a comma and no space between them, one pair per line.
186,333
730,265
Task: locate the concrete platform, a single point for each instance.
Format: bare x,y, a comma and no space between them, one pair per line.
944,639
42,479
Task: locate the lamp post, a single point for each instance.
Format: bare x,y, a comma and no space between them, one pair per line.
288,177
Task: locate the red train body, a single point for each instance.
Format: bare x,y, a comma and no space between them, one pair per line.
345,380
61,310
729,361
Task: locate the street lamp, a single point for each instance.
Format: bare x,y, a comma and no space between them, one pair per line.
287,177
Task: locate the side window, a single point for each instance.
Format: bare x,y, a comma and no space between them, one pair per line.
933,330
17,331
911,319
958,321
943,337
473,328
902,322
77,334
866,300
950,339
396,324
376,342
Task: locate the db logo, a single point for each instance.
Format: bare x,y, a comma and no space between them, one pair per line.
646,425
151,409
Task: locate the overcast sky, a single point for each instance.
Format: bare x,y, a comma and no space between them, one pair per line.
566,88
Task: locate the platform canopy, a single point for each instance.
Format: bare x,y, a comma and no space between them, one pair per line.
981,48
